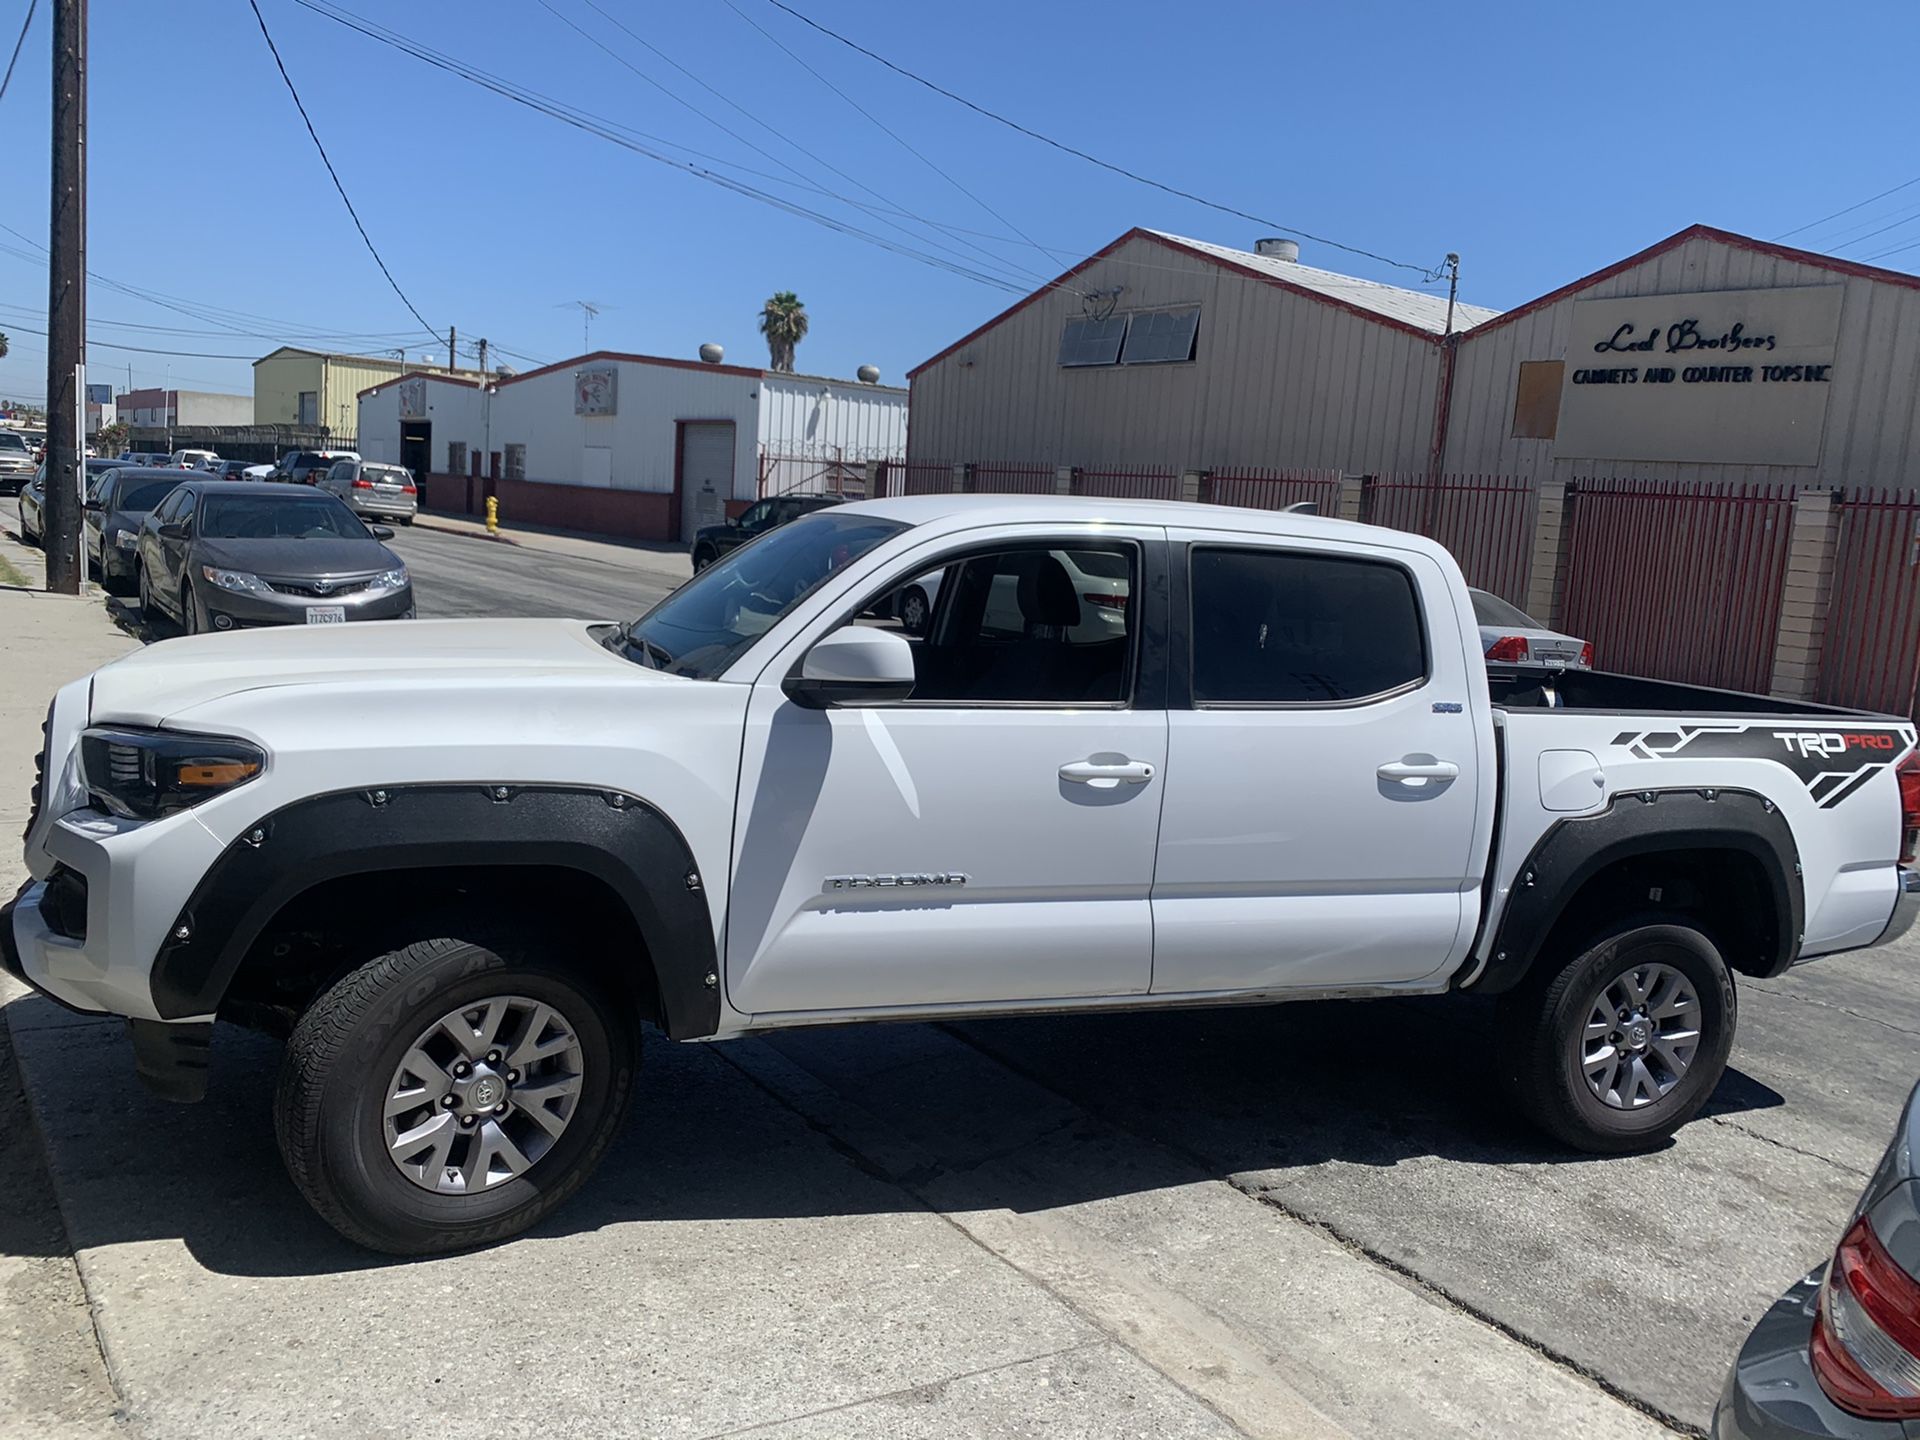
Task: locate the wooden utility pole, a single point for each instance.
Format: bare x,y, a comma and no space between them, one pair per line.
452,364
66,295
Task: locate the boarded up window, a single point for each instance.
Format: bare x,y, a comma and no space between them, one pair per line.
516,462
1536,401
456,457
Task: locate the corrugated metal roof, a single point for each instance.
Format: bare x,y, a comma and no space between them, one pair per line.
1418,308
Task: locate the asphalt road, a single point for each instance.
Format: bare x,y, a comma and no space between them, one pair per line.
1295,1178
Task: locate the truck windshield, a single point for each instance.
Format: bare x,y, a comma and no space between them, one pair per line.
703,626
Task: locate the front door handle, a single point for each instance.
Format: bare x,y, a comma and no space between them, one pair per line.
1406,771
1092,772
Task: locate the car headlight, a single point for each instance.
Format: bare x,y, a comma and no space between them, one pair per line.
144,774
238,581
127,539
391,579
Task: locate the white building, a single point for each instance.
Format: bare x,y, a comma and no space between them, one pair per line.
634,445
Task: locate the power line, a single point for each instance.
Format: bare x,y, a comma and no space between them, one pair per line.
605,130
1847,210
141,349
7,79
327,161
1122,170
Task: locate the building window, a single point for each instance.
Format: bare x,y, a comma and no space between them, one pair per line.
1161,337
1536,399
309,407
516,462
456,457
1087,341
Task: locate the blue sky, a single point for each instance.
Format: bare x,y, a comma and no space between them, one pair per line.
1541,141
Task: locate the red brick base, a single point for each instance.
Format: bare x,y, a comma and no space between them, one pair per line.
628,514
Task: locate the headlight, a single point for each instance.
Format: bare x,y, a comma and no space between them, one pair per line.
391,579
127,539
144,774
236,580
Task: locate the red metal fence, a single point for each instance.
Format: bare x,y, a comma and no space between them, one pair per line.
1128,483
919,477
821,472
1013,479
1485,520
1256,489
1677,581
1870,650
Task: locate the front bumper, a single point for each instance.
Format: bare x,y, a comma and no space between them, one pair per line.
246,610
1771,1393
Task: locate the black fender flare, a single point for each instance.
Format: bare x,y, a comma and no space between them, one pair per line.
612,836
1640,823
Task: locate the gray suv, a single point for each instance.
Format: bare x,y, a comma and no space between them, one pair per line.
385,492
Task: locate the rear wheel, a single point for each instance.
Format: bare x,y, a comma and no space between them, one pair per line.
914,611
1625,1042
449,1094
702,558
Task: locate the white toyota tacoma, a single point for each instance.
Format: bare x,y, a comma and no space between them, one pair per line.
459,863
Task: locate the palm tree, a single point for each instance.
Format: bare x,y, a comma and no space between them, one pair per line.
3,345
783,320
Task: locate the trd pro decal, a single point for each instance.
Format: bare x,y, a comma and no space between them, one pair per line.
1831,761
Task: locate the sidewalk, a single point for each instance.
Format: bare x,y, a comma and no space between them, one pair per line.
577,543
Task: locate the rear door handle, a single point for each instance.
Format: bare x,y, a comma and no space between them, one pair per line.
1407,770
1089,772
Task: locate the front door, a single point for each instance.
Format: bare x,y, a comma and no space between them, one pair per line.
705,482
416,446
990,839
1329,772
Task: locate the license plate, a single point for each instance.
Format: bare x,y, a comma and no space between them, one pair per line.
326,614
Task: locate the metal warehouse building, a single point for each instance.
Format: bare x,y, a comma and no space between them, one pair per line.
636,445
1709,356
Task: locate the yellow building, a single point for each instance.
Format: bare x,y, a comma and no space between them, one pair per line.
292,386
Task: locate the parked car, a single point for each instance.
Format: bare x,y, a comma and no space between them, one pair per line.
226,555
1286,774
1097,578
194,459
1839,1354
1510,636
230,470
385,492
257,472
17,462
305,467
710,542
33,499
125,498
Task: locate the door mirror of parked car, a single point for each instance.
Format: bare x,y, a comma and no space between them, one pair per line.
176,531
94,506
855,665
381,532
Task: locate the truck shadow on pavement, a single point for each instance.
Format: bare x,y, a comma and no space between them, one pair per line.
1025,1115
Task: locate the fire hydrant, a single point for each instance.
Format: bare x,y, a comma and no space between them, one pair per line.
493,514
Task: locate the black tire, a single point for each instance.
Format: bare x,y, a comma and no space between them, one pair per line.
911,597
702,558
328,1113
1542,1027
149,612
28,537
406,519
114,583
189,612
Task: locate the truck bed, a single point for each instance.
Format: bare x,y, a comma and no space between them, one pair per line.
1602,692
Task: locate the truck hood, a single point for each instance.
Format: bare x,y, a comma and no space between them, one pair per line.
146,686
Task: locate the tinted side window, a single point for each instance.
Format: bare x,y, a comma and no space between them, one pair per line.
1287,627
1035,625
163,514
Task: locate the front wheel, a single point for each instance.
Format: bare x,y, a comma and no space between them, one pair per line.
1623,1044
448,1095
189,612
914,611
702,558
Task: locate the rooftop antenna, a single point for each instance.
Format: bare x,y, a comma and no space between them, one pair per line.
1452,263
588,309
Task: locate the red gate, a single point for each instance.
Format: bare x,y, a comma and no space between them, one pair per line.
1486,521
1870,650
1256,489
1677,581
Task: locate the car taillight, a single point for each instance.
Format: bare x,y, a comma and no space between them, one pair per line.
1866,1331
363,484
1107,602
1909,775
1510,649
407,489
1586,656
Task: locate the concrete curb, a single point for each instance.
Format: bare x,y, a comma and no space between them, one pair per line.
420,522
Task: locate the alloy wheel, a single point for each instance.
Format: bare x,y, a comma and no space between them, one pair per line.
482,1094
1641,1035
913,612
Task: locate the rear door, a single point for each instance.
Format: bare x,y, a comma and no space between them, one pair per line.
1329,769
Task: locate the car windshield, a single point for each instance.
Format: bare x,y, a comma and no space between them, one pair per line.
703,626
140,495
276,517
11,441
1492,610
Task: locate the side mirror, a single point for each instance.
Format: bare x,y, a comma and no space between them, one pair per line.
381,532
176,531
855,665
94,507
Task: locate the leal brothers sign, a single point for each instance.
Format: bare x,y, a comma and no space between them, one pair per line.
1736,377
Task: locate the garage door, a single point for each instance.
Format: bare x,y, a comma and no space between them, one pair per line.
706,473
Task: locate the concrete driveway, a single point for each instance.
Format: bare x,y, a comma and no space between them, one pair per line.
1312,1219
